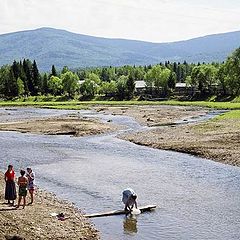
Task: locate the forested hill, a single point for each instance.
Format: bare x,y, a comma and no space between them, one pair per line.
52,46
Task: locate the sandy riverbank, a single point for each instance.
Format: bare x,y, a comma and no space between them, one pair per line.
69,125
154,115
215,140
35,221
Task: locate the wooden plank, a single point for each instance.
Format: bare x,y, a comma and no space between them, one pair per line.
120,212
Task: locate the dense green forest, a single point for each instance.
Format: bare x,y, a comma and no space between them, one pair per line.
23,79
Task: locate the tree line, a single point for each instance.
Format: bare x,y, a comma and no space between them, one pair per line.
22,78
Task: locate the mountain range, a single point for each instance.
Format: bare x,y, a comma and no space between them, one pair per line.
50,46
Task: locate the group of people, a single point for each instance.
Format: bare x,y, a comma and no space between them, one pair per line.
25,183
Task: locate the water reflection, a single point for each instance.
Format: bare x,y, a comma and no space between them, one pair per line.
130,224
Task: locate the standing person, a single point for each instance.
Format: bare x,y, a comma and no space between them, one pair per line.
31,177
10,189
129,199
22,192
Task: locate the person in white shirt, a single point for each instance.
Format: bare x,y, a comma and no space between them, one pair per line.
31,177
129,199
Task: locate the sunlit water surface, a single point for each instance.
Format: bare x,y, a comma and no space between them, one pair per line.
196,198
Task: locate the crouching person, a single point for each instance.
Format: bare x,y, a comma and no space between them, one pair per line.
129,199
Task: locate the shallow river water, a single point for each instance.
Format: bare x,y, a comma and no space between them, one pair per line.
196,198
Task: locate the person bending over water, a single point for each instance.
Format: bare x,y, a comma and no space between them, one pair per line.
31,177
22,193
129,199
10,189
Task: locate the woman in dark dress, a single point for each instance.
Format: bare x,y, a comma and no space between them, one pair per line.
10,190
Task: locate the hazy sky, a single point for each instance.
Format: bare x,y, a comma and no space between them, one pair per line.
149,20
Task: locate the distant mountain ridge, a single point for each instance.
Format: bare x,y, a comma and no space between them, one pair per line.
50,46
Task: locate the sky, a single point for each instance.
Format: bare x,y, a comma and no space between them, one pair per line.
147,20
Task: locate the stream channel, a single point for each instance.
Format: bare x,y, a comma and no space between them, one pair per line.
196,198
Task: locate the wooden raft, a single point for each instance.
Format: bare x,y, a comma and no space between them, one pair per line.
120,212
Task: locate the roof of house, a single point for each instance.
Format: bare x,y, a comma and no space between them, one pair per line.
180,85
140,84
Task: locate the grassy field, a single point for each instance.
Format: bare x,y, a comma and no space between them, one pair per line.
234,114
216,105
235,105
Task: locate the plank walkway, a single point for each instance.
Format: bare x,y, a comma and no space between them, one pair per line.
120,212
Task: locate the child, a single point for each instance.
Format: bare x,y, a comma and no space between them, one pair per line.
31,177
22,183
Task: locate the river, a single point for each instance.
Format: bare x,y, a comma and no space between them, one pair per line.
196,198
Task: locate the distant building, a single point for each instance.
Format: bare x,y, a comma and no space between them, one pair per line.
140,86
80,82
181,85
182,89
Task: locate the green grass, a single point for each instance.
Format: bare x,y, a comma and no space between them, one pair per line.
84,104
236,99
67,107
234,114
216,105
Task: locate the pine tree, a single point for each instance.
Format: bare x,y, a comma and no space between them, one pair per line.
16,69
130,85
54,72
13,88
179,73
175,67
27,66
105,75
23,78
45,84
172,80
36,79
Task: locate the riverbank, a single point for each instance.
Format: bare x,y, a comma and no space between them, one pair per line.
152,115
217,139
67,125
197,184
78,105
36,222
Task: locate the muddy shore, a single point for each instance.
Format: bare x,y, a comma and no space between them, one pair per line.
154,115
68,125
35,221
214,140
